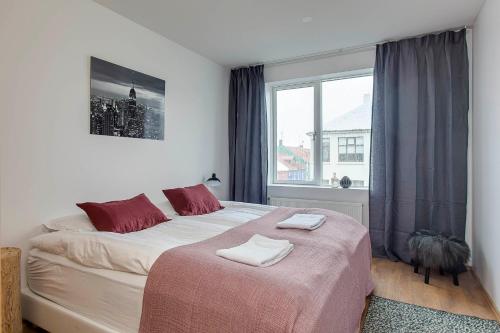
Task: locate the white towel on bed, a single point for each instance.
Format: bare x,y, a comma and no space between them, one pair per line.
259,251
303,221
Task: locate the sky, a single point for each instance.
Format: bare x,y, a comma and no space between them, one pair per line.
295,107
110,80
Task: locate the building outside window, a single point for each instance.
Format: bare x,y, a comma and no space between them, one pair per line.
325,156
338,111
351,149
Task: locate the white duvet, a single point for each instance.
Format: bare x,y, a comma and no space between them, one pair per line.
136,252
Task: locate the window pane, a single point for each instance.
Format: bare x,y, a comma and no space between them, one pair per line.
346,118
294,129
358,183
325,147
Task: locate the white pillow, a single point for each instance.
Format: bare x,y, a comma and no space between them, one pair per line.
167,208
77,223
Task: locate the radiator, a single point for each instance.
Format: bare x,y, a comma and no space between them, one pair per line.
352,209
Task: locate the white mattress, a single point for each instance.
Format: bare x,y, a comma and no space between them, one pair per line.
110,297
136,252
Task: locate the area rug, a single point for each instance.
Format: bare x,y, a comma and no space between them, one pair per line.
387,316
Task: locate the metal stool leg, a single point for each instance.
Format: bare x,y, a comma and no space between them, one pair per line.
415,266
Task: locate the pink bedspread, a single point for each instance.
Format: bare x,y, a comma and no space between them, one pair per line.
319,287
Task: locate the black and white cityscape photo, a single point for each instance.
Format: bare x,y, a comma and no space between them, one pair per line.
124,102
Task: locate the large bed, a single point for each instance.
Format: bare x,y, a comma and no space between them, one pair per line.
97,280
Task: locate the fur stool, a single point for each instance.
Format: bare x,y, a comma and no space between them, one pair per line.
431,249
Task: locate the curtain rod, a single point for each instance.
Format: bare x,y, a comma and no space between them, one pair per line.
346,50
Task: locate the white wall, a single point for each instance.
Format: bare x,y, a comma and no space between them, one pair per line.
486,158
49,160
320,66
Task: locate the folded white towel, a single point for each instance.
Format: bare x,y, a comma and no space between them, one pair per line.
303,221
259,251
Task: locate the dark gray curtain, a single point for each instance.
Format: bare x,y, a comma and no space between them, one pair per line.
419,140
247,135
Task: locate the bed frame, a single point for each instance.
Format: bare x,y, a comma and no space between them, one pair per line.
56,319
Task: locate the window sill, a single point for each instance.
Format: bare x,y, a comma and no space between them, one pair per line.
321,187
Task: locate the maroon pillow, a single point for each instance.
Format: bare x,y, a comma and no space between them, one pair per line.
192,200
124,215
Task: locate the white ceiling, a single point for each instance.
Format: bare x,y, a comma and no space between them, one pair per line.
241,32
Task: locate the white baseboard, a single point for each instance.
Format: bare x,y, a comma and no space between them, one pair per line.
491,302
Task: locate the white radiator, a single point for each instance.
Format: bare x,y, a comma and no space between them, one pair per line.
352,209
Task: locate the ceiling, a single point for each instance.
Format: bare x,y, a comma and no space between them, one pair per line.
242,32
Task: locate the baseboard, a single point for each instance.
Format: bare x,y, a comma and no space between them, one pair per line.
491,302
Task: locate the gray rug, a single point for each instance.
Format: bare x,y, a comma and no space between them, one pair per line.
387,316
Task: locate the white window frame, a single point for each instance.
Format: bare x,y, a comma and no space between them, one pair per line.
316,83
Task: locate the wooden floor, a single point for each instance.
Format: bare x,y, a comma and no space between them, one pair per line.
396,280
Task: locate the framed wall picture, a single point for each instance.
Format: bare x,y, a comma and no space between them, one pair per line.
125,103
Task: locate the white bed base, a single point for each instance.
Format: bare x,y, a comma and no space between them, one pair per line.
55,318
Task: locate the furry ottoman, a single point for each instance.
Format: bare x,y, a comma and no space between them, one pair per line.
431,249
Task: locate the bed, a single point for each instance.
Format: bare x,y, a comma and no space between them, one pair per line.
106,295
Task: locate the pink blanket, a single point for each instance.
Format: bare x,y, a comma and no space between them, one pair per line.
319,287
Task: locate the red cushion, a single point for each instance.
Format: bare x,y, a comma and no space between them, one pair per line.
124,215
192,200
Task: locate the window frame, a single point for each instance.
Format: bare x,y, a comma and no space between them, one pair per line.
356,145
316,83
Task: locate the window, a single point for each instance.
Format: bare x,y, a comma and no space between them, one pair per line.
351,149
358,183
294,125
321,130
325,149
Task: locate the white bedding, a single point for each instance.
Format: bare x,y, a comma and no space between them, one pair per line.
110,298
136,252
